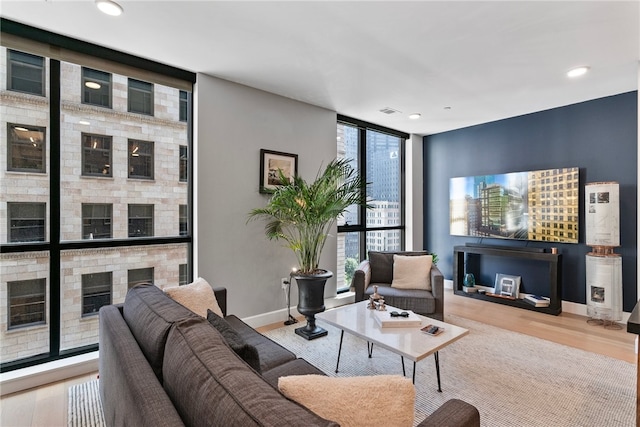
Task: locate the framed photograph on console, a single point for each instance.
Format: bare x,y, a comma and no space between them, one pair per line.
507,286
270,163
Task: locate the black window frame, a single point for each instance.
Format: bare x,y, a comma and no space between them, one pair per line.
361,228
13,139
54,246
10,71
183,110
99,292
140,220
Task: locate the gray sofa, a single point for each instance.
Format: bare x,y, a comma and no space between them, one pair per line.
378,270
162,365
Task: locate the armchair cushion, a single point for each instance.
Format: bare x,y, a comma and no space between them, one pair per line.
412,272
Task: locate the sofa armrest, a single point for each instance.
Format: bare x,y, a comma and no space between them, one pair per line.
361,279
221,296
453,413
437,289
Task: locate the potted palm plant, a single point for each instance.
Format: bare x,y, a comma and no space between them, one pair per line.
301,215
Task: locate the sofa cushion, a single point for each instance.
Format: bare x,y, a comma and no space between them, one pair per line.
149,313
197,296
271,353
382,400
211,386
412,272
247,352
382,264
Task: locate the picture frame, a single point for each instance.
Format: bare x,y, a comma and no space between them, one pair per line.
507,285
272,161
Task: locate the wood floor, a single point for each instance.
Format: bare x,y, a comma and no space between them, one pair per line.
47,405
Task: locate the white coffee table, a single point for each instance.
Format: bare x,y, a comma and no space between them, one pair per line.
411,343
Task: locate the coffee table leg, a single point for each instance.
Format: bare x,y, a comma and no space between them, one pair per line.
369,349
339,350
414,373
437,358
404,374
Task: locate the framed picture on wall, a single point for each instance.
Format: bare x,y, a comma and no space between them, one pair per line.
271,164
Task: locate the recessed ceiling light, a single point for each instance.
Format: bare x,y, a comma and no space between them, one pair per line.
415,116
92,85
578,71
109,7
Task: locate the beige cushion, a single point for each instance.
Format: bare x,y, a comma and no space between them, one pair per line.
382,400
412,272
197,297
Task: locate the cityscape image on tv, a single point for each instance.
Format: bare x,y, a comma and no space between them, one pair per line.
538,205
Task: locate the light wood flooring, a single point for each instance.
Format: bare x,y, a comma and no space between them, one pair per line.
47,405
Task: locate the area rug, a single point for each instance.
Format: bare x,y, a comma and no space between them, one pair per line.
513,379
85,407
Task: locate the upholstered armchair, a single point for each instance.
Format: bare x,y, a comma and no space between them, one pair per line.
408,283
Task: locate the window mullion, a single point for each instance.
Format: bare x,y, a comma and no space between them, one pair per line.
54,207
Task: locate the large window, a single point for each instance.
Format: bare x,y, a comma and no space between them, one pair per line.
96,155
376,153
26,151
96,87
25,72
78,241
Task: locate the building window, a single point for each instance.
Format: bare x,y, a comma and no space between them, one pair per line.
96,292
140,159
26,150
183,163
140,220
183,275
184,228
26,222
139,275
96,221
26,302
140,97
96,155
25,73
96,87
376,154
184,102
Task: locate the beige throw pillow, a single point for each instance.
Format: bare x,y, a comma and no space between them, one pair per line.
382,400
412,272
197,297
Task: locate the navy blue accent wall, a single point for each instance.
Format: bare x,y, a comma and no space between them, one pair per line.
599,136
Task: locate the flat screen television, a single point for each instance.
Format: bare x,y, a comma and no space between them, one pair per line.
540,205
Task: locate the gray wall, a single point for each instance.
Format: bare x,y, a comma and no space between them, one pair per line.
599,136
233,122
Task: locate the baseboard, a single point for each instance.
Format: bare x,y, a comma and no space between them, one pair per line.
46,373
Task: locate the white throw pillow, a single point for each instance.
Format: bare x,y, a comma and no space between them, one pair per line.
197,297
412,272
374,401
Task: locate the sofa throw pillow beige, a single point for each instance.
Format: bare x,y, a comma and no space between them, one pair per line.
412,272
381,400
197,297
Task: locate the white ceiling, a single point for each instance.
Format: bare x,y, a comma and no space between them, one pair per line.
484,60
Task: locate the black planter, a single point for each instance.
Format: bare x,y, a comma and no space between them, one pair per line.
311,302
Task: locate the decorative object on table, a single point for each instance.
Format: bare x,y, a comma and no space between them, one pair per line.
302,214
507,285
381,305
536,300
432,330
397,319
276,169
375,296
603,266
469,283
